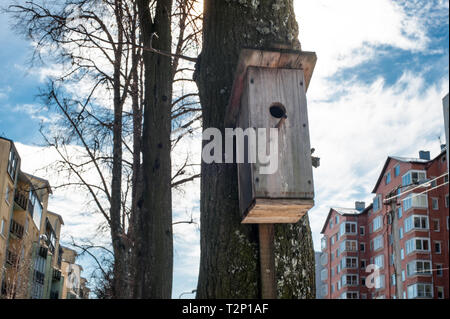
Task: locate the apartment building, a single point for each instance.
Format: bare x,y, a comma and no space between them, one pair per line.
30,253
76,285
398,246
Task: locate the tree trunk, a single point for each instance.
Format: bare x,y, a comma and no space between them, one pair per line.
154,225
229,264
121,280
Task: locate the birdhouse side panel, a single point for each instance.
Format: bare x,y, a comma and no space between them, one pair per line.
276,99
245,175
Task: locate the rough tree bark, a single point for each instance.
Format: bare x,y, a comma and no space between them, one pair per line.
229,265
154,225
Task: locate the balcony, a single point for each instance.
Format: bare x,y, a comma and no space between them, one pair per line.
16,229
21,199
43,252
11,257
56,275
39,277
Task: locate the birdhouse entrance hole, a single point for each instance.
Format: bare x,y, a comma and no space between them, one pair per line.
277,110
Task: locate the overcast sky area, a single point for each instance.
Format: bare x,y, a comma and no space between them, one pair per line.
377,90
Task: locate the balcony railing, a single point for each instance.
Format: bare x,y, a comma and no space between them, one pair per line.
16,229
39,277
43,252
56,275
21,199
11,257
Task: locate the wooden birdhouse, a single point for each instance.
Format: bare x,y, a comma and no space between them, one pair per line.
269,92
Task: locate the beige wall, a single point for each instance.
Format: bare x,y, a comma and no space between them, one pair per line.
5,207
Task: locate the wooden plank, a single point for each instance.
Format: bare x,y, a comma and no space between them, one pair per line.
277,211
293,178
275,58
267,261
245,174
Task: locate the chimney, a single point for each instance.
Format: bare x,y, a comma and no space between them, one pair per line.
425,155
359,206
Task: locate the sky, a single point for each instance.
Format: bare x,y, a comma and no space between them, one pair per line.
377,90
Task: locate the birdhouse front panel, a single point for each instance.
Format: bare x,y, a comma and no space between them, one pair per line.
283,191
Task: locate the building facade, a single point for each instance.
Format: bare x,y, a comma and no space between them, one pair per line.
30,252
397,247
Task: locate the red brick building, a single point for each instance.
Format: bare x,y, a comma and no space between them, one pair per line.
403,234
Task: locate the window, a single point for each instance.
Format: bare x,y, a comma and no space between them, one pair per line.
349,280
417,244
36,206
388,178
347,228
433,183
323,243
13,161
397,170
331,256
363,281
403,276
8,195
324,259
418,267
324,275
393,280
402,254
437,247
349,245
2,227
362,247
436,226
415,201
399,212
413,177
362,230
446,201
332,240
350,295
338,269
349,262
440,292
435,203
420,290
379,282
400,232
376,203
419,222
378,242
324,290
337,219
379,261
331,224
377,223
339,285
363,264
439,270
